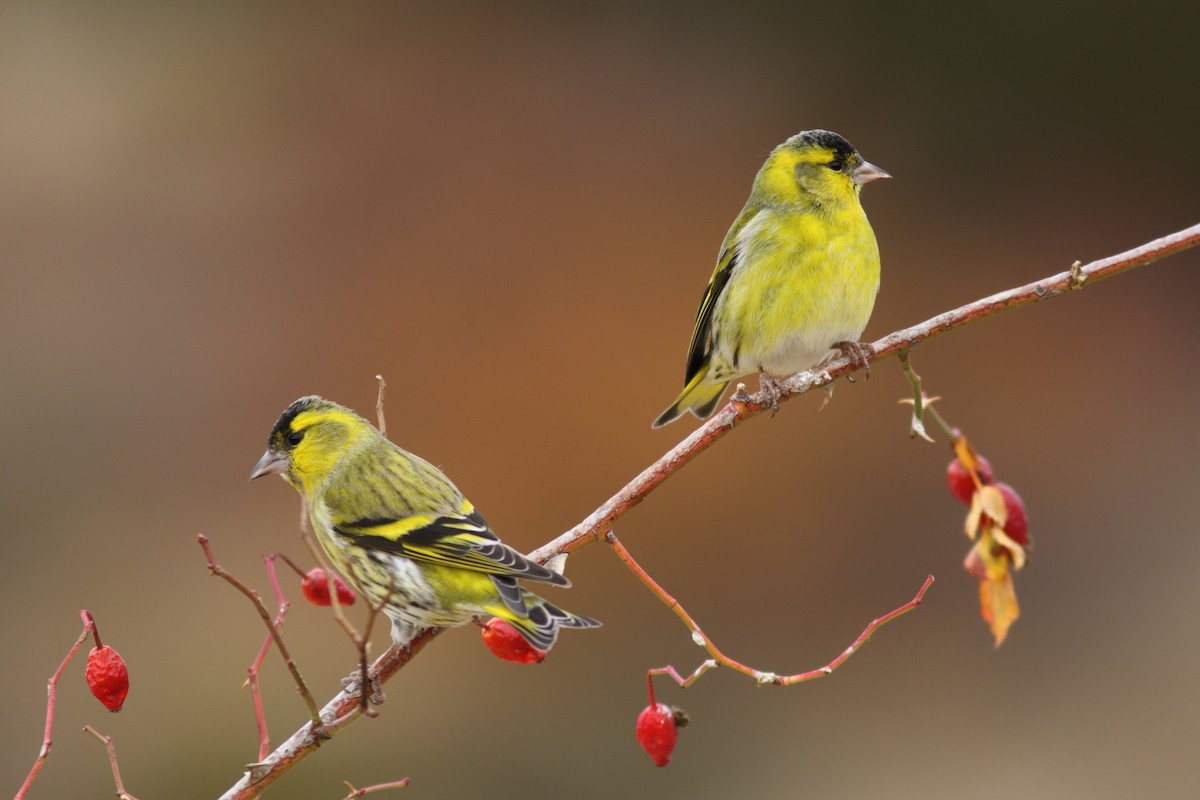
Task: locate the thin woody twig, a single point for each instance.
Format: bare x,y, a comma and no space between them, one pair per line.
216,569
260,716
740,408
720,659
337,713
314,549
379,406
112,761
339,616
89,627
369,691
358,639
363,792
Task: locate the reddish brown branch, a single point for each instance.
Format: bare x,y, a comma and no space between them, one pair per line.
260,716
720,659
337,713
89,627
335,603
740,408
363,792
112,761
216,569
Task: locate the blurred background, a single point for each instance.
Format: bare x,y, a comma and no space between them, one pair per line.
208,210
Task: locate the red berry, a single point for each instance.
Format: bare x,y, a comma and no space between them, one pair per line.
657,732
107,677
316,588
959,480
505,642
1017,526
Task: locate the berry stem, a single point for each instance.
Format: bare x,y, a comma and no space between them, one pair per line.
951,432
295,567
719,658
922,403
88,621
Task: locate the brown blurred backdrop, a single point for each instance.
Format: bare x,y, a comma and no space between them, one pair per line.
207,210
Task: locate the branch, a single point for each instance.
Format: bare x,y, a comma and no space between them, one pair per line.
339,712
379,405
740,408
216,569
112,761
366,790
89,627
720,659
260,716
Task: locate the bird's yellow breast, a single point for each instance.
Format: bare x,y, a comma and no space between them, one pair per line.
803,281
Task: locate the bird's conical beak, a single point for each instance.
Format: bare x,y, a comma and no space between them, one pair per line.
271,462
868,172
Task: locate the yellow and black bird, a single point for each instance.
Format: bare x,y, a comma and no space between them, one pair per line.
397,529
796,276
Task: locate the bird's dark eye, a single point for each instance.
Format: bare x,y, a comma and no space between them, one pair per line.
294,437
836,165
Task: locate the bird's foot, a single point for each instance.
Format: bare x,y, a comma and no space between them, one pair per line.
858,353
772,390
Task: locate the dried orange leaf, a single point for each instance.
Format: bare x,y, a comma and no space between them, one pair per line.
988,563
1015,550
998,604
993,504
974,517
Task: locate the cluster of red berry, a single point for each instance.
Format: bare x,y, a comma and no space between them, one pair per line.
962,486
999,528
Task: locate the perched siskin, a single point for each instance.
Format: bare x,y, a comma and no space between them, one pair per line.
796,276
394,526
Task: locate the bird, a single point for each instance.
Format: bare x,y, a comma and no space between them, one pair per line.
796,276
395,527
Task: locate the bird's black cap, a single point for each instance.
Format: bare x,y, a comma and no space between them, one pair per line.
826,139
